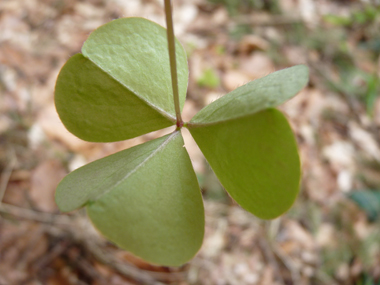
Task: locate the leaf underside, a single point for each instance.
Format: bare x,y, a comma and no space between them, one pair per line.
120,87
256,160
146,199
255,96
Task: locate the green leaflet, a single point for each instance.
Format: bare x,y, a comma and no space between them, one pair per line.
95,107
260,94
146,199
255,159
120,87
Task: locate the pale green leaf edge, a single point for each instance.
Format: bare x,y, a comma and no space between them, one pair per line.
255,96
82,192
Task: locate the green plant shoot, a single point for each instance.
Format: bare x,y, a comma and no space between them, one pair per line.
146,199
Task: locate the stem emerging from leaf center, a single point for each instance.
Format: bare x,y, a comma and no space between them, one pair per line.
173,63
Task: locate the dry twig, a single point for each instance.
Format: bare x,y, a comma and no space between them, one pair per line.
7,174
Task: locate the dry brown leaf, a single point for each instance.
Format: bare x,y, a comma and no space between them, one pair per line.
295,54
340,154
44,181
364,140
297,233
267,276
250,43
233,79
15,192
306,107
214,244
20,246
220,16
257,65
308,13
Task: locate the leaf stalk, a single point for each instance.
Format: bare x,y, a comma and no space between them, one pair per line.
173,62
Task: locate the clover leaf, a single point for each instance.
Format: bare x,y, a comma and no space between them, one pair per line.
146,199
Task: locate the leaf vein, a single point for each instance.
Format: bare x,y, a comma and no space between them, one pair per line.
141,164
158,109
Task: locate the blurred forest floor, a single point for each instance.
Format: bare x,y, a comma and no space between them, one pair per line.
332,233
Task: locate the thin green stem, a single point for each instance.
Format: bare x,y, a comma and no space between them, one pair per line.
173,63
